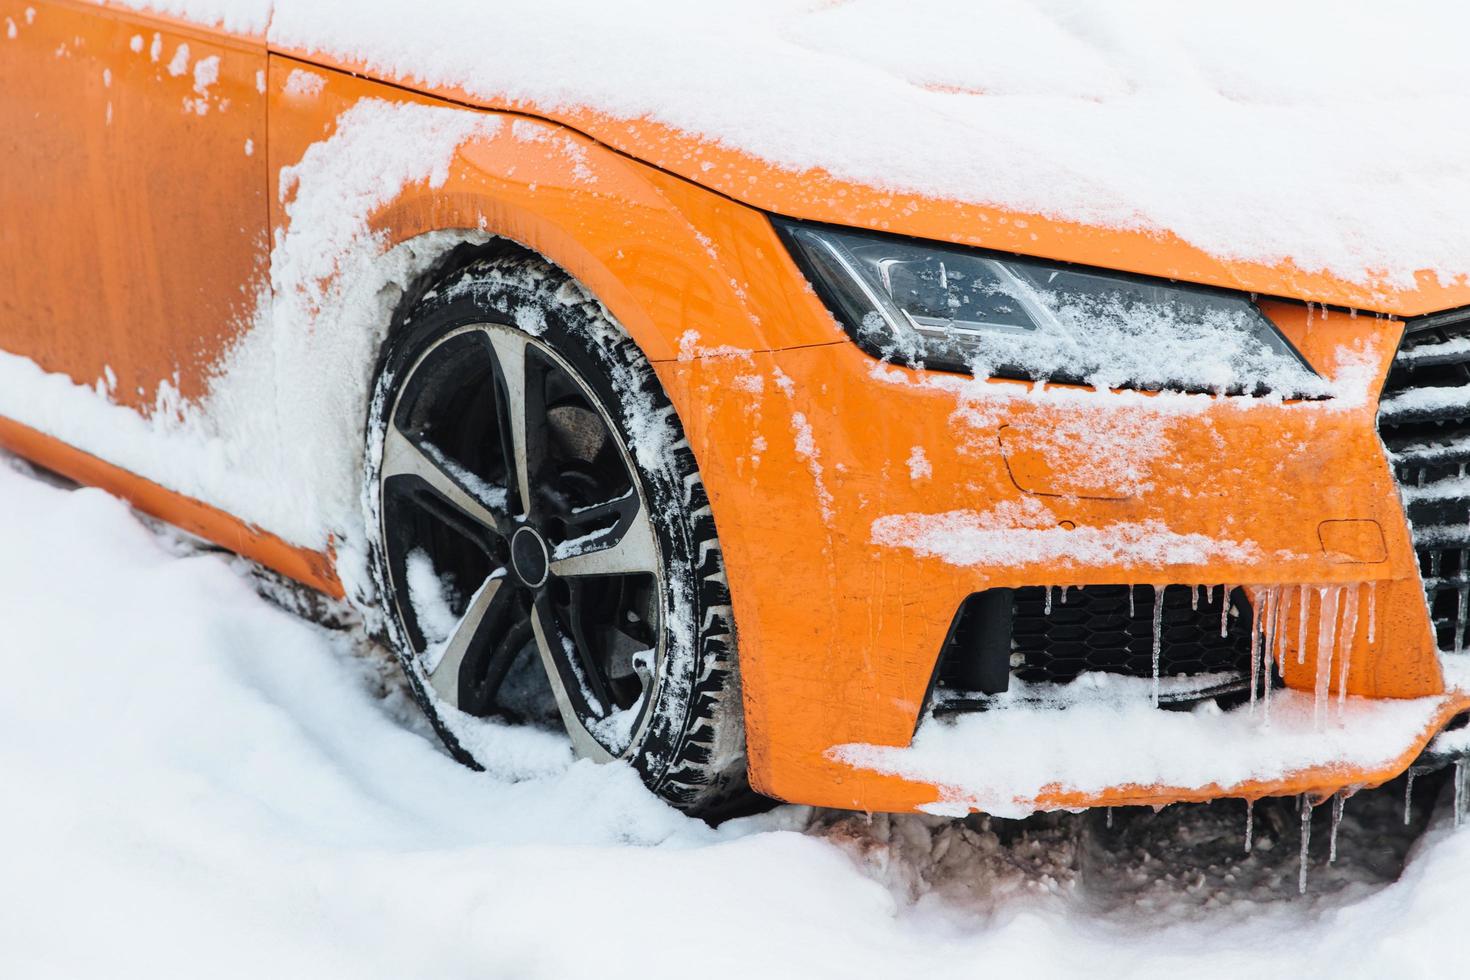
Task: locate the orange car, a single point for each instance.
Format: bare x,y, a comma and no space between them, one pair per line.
758,477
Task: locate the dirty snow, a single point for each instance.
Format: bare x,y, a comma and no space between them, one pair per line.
200,783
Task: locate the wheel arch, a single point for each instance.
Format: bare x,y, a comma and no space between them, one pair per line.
622,230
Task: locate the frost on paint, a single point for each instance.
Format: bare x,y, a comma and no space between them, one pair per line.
1020,533
179,63
303,84
919,466
206,73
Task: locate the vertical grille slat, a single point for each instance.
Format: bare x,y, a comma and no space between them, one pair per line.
1424,421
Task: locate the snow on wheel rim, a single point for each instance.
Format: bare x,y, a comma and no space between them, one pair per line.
548,551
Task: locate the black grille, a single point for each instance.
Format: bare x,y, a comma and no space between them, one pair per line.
1094,628
1424,420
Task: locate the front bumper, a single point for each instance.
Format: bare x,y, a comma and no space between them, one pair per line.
858,505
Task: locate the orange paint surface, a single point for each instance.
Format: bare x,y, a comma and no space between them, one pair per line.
801,438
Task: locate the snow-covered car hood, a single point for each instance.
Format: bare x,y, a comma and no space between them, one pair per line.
1309,150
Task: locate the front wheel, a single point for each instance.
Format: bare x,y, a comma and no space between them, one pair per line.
542,540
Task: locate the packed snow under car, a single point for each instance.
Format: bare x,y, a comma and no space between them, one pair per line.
875,451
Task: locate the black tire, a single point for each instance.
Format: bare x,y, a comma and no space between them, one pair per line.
687,740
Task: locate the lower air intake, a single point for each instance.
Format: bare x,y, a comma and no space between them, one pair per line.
1054,635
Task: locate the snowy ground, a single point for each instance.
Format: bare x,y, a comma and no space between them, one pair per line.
199,783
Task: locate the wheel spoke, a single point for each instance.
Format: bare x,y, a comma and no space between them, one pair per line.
402,458
587,661
564,681
523,413
471,631
626,548
503,634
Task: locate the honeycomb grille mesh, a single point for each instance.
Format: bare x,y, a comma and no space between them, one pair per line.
1095,630
1424,421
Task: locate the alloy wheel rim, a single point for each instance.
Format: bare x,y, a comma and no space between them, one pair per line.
554,515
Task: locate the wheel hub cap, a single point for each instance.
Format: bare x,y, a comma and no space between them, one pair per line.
529,557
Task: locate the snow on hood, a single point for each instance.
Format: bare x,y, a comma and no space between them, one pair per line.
1323,134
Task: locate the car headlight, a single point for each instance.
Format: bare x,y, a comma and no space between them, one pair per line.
928,304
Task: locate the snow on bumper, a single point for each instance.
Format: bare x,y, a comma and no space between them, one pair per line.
1109,746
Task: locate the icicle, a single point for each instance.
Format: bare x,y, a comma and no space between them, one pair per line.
1110,818
1064,594
1372,608
1301,875
1130,602
1459,791
1046,607
1158,635
1250,824
1348,637
1257,598
1326,634
1224,610
1339,800
1309,316
1408,796
1301,639
1268,648
1464,595
1283,629
1194,598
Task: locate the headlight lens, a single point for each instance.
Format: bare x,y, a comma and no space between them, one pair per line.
952,308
